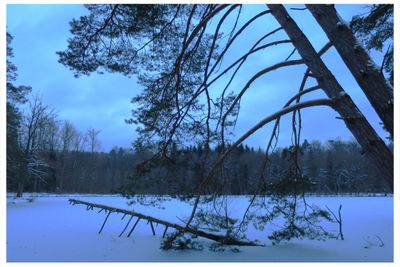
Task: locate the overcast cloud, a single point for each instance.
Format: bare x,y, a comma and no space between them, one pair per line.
103,101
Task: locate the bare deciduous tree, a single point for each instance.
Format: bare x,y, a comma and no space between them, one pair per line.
34,128
93,140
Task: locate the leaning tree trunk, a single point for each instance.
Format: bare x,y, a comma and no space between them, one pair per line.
373,146
377,89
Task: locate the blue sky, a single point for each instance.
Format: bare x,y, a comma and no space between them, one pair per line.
103,101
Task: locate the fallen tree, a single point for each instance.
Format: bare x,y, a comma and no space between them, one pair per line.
226,240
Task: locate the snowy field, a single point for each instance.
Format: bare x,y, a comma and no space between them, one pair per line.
49,229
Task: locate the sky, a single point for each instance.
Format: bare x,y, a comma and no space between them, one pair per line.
103,101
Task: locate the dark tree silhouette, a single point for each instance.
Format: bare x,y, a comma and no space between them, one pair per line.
16,95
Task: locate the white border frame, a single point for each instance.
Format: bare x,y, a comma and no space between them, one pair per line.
3,19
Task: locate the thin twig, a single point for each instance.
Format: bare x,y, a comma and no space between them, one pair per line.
104,223
126,226
203,184
133,228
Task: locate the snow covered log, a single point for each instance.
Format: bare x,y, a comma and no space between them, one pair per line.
226,240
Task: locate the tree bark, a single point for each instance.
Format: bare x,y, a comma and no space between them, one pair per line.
373,146
377,89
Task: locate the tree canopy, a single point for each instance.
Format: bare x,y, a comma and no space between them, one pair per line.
145,40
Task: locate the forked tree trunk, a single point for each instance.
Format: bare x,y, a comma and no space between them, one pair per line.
373,146
377,89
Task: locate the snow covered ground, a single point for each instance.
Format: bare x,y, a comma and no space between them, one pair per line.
49,229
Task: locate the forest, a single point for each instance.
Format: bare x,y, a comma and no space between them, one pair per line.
334,167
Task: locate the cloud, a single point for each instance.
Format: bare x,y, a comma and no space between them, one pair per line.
103,101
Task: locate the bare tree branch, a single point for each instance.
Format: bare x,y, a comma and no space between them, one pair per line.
203,184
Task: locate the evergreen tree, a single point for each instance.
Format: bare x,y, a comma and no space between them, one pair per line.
16,95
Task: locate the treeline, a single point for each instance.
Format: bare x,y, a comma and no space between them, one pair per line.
40,146
81,172
331,168
44,151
